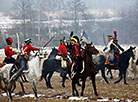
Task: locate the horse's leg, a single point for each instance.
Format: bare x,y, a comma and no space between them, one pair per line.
94,84
74,90
34,89
125,78
9,87
45,77
121,76
49,78
109,71
103,75
22,87
83,85
14,86
63,79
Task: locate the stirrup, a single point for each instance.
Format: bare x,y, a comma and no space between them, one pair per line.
25,71
72,74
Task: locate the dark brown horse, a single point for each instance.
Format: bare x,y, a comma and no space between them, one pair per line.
89,70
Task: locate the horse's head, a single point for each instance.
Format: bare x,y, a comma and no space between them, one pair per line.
131,52
53,53
90,49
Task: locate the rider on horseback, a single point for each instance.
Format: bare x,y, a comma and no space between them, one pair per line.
62,54
62,51
9,52
76,51
24,57
115,48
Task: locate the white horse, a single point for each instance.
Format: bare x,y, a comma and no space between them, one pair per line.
32,75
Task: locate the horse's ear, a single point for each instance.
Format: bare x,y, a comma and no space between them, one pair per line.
86,44
92,43
133,48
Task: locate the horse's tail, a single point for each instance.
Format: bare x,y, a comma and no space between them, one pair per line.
137,62
1,82
43,74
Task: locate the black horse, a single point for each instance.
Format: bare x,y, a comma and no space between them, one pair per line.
122,66
50,66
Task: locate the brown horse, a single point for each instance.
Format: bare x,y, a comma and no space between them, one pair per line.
89,70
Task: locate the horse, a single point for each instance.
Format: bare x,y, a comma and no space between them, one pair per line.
122,64
4,73
89,70
50,66
32,75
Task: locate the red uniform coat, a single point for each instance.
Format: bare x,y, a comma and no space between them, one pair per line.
76,50
9,52
27,49
62,50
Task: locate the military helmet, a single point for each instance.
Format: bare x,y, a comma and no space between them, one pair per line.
28,40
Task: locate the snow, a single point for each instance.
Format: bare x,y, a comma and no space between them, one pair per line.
78,98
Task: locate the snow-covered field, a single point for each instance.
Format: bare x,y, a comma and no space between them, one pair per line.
99,47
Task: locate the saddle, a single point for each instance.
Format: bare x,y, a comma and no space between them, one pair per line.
13,73
74,69
109,61
63,62
2,64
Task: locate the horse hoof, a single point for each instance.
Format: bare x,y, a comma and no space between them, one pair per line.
78,84
96,94
126,83
115,82
50,87
81,94
63,86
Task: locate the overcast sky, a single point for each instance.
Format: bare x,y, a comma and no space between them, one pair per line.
6,5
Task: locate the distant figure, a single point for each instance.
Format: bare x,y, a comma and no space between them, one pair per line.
20,45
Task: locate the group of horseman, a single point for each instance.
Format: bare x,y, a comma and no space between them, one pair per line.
23,57
73,44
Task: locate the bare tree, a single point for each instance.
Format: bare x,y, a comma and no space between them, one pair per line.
24,11
78,7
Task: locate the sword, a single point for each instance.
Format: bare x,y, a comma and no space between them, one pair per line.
49,40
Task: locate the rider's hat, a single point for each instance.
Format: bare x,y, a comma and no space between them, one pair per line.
77,38
62,42
9,40
74,39
115,36
28,40
109,36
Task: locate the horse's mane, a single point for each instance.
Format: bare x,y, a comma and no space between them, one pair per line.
53,53
125,52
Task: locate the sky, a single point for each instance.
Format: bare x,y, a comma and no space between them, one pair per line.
109,4
6,5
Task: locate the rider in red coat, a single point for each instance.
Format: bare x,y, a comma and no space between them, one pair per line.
24,57
62,51
77,58
9,52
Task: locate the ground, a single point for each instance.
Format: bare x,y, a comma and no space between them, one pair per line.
107,92
60,94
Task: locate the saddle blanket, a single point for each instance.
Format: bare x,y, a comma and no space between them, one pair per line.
109,60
